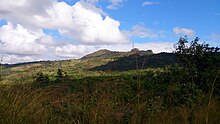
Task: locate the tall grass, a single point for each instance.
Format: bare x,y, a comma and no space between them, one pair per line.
25,104
103,103
210,97
1,68
132,98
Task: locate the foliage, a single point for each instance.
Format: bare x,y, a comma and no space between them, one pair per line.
138,61
201,67
201,62
105,99
59,75
40,78
198,56
1,68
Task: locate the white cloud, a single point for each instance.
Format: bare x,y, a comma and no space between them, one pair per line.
77,51
147,3
184,31
91,28
83,22
115,4
73,51
93,6
157,47
23,11
46,40
141,31
93,2
12,59
15,39
22,39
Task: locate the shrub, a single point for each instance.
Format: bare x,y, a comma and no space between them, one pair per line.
40,78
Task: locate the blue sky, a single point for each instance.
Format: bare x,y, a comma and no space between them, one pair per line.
203,16
62,29
200,15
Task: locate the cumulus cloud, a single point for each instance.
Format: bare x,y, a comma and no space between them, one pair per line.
115,4
46,40
185,31
148,3
77,51
89,27
141,31
83,22
73,51
23,11
156,47
12,59
15,39
93,2
22,39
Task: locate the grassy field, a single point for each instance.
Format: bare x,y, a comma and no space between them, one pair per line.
70,92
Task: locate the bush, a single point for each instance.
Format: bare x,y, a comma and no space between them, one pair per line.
201,62
40,78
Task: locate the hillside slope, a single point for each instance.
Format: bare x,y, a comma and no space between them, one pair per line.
107,54
90,65
137,61
104,60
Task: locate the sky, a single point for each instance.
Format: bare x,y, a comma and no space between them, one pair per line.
36,30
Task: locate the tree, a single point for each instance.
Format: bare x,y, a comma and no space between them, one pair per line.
59,76
201,67
201,61
40,78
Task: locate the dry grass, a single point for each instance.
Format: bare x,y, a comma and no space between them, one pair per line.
56,104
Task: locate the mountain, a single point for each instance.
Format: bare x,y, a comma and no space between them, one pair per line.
95,64
107,54
104,59
131,60
138,61
101,61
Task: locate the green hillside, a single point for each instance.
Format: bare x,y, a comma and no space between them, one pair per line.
132,87
138,61
91,64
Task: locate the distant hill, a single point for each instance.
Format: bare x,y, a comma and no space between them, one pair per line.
97,63
107,54
131,60
138,61
104,59
22,64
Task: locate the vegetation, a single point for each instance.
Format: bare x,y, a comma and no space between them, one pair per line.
124,87
1,67
202,62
